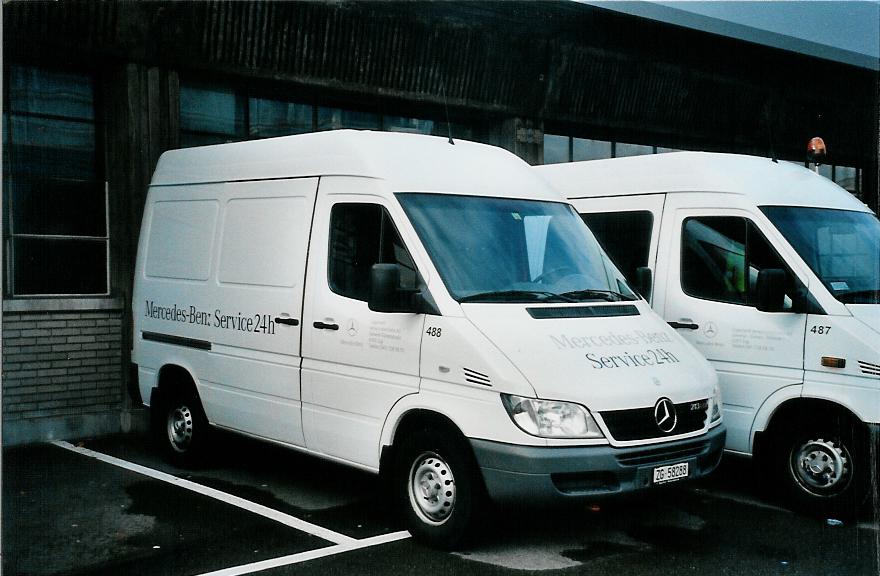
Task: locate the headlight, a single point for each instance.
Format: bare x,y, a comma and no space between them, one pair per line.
716,405
550,418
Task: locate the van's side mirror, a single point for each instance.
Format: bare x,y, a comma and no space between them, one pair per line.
770,290
644,282
386,294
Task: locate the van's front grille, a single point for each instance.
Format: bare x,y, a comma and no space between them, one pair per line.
641,424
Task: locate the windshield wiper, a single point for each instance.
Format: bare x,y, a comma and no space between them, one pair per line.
516,296
607,295
859,297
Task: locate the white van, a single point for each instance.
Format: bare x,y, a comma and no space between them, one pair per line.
773,273
402,304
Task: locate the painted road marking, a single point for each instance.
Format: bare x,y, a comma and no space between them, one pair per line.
309,555
265,511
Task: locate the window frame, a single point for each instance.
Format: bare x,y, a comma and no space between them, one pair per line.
97,154
385,216
750,226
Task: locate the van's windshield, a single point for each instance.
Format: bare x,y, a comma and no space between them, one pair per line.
841,246
511,250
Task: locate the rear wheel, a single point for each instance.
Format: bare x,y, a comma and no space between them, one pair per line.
823,468
438,488
181,427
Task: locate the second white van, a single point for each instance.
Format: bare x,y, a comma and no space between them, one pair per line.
404,304
773,272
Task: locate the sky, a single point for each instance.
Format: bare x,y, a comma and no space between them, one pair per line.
842,30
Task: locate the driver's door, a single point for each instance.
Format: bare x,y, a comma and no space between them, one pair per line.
356,363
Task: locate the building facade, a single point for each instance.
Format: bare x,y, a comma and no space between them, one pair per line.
95,92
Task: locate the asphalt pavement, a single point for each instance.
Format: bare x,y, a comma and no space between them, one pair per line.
113,506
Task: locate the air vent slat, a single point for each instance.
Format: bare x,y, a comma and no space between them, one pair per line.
475,377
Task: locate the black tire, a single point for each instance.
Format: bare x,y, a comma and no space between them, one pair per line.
823,468
438,489
180,427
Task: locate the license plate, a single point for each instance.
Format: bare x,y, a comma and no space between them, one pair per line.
670,473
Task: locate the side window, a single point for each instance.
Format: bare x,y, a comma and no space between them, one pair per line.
721,258
625,236
362,235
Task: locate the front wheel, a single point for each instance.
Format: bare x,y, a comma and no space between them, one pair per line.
824,470
438,488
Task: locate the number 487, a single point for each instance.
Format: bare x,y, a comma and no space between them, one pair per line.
820,329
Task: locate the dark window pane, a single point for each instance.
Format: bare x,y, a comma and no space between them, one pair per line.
459,131
52,147
57,206
722,257
362,235
625,236
274,118
583,149
411,125
847,177
713,259
555,149
189,140
52,266
212,111
354,248
336,118
53,93
624,149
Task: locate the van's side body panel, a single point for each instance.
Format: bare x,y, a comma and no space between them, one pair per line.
220,264
352,375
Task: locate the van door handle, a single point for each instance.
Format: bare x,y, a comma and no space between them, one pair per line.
322,326
288,321
687,325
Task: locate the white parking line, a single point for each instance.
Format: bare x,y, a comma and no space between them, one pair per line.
309,555
286,519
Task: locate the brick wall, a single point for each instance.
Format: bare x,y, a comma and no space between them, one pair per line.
62,374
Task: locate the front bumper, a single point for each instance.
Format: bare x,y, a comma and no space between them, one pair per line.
528,474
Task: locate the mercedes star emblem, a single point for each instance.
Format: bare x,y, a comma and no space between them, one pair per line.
665,416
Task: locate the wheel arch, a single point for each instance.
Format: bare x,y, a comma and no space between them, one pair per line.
416,419
800,409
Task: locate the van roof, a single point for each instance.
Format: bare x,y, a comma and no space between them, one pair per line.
764,182
409,162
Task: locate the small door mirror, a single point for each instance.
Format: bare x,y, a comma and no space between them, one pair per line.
644,282
387,295
770,290
385,292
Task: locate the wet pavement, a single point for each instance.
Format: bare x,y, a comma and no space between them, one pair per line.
67,512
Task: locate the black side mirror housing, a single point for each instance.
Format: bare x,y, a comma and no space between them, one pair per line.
770,290
644,282
386,294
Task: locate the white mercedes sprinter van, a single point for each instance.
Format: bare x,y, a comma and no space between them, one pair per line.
403,304
772,272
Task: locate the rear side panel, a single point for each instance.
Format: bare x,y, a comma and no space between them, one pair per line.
219,288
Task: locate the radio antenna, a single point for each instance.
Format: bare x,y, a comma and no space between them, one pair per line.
770,130
446,108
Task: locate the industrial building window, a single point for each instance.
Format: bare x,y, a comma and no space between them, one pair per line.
211,116
54,195
338,118
270,118
216,115
568,149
